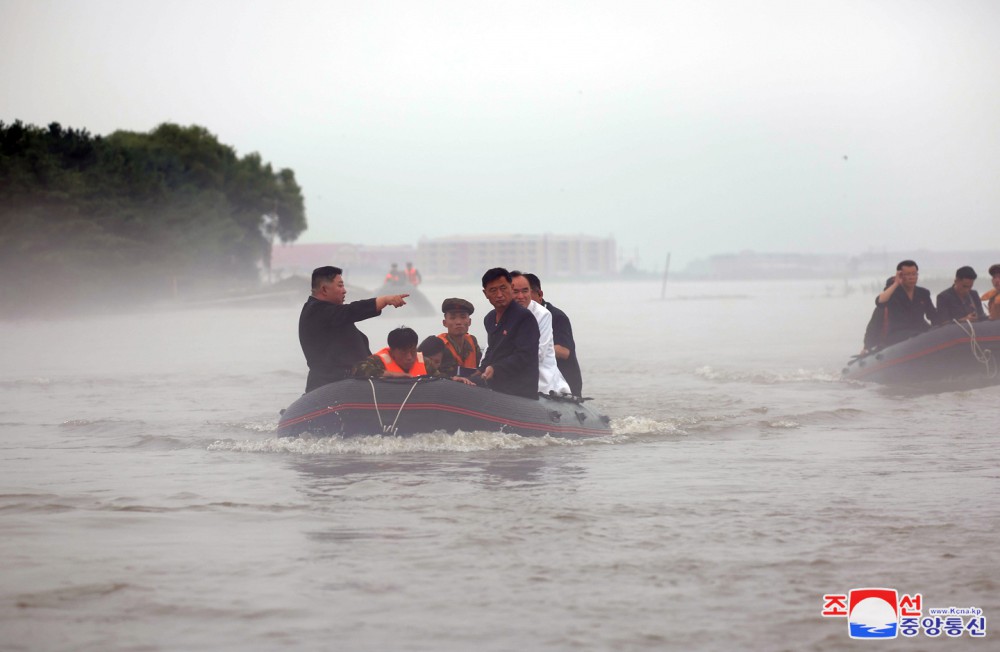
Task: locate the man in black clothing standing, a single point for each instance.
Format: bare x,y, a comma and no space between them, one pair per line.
330,341
960,302
906,305
562,337
510,364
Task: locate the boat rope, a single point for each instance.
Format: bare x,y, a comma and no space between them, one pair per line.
402,405
375,401
982,356
390,430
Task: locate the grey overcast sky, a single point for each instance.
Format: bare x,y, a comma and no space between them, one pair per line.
696,127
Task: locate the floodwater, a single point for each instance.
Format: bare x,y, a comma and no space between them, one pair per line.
145,503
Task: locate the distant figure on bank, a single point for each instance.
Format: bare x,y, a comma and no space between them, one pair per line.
331,342
562,338
960,302
412,275
399,359
907,305
550,379
393,276
462,353
990,296
510,364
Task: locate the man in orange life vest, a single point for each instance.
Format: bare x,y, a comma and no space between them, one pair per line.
398,360
462,353
412,275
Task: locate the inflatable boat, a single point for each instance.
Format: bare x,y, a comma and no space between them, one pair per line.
965,353
405,406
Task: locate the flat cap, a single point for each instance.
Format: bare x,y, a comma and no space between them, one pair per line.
457,305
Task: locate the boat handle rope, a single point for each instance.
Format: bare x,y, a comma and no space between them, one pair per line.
390,430
983,356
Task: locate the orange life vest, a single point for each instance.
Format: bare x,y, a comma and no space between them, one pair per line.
418,368
470,360
411,276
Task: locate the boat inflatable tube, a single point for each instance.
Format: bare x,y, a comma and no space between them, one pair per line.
955,352
406,406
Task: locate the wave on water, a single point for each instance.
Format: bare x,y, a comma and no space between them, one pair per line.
432,442
763,377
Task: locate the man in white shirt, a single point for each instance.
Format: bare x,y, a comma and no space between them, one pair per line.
549,377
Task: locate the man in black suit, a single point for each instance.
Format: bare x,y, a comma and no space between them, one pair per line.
907,305
960,302
510,364
562,336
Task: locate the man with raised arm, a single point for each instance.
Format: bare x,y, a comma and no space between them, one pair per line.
906,305
330,340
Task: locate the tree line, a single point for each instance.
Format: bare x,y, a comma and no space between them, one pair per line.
89,220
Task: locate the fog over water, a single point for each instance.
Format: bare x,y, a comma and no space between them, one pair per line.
146,503
696,128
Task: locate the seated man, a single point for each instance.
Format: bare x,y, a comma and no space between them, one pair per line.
562,338
462,353
398,360
510,364
433,351
990,296
906,305
550,379
877,325
960,302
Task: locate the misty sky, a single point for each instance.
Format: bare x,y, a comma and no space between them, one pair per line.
694,127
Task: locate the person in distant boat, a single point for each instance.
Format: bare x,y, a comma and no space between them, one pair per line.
990,296
462,353
908,307
510,364
393,276
562,338
412,275
400,359
330,341
960,302
550,379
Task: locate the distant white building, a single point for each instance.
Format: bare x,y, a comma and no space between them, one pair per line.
547,255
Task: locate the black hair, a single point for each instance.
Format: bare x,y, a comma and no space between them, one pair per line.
495,273
906,263
402,338
965,272
432,345
533,282
323,275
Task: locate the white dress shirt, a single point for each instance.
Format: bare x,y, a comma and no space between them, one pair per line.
549,376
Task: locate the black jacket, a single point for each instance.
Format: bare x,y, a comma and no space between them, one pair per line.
905,316
512,351
562,334
951,306
330,341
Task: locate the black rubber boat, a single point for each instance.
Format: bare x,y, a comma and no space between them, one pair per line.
965,353
407,406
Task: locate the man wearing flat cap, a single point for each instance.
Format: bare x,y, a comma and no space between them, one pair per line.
462,353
